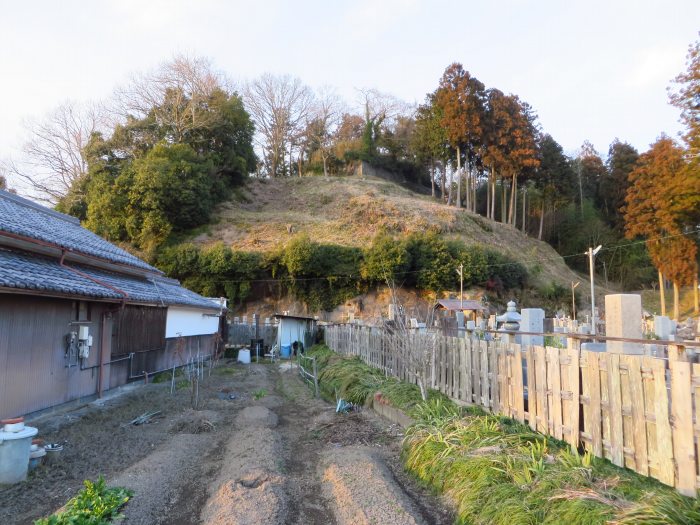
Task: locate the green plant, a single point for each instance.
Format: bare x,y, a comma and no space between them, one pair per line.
259,394
96,504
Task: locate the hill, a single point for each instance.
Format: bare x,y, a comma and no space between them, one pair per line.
350,211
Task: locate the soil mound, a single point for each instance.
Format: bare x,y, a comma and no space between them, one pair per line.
257,416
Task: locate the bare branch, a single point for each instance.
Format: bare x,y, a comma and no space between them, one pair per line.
52,157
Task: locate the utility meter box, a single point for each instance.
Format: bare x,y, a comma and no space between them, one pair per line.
84,333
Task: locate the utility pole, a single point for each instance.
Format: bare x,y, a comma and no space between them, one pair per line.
460,271
574,285
592,253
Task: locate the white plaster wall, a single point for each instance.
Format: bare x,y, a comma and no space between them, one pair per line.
190,321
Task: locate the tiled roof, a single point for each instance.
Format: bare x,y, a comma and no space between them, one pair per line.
23,217
455,304
36,273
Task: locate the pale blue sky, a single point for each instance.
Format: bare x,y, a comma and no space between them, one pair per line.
592,70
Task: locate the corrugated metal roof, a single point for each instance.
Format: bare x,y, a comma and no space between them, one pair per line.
466,304
36,273
28,219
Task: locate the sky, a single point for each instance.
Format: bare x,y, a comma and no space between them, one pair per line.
591,70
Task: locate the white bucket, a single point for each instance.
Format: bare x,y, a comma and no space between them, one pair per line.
14,454
244,355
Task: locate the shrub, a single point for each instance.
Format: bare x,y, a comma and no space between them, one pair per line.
96,504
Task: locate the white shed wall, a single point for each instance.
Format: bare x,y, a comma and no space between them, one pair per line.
190,321
290,330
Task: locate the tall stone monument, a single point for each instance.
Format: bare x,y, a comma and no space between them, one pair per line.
623,318
532,320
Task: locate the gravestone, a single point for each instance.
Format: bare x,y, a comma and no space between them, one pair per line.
548,325
623,318
662,327
532,320
460,319
471,325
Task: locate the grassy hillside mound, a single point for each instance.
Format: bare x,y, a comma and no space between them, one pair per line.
350,211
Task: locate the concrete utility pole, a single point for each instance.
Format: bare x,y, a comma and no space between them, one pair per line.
592,253
460,271
574,285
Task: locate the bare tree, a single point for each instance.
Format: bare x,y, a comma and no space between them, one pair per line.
52,158
279,106
175,94
327,113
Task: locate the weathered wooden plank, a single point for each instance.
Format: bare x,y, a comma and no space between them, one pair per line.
454,351
463,370
565,394
683,439
502,386
531,388
554,385
615,400
663,453
627,423
574,405
485,400
639,432
592,410
476,372
518,394
542,394
492,393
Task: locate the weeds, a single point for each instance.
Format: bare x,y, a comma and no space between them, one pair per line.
96,504
259,394
497,471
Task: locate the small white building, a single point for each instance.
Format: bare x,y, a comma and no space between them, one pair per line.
294,328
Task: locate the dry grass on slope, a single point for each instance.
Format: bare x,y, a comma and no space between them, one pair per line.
351,211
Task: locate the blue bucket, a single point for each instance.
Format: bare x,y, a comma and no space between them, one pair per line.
286,351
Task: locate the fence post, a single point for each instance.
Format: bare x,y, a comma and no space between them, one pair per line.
315,378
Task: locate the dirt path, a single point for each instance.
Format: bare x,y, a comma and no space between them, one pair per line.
271,455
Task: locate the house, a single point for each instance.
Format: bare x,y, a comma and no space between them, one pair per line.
294,328
79,315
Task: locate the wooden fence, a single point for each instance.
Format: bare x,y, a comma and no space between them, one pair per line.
243,333
637,411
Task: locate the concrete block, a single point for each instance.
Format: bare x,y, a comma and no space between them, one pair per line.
532,320
623,318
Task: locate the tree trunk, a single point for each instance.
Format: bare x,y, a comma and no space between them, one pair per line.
493,195
449,191
432,177
524,203
504,199
662,293
459,178
539,235
443,178
676,315
515,202
488,196
696,299
325,166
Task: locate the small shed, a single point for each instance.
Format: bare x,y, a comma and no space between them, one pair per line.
294,328
469,307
